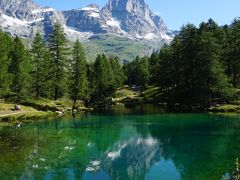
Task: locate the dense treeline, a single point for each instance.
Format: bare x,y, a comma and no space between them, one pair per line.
200,67
52,69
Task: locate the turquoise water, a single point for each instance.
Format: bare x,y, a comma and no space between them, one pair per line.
130,146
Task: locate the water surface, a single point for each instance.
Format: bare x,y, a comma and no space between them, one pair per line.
130,146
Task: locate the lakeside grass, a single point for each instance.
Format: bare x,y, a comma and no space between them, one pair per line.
226,108
36,108
8,116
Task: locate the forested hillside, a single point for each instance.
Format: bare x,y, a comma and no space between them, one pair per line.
200,67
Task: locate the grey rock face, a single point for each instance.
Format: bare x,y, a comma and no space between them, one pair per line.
127,18
20,9
135,18
24,18
85,19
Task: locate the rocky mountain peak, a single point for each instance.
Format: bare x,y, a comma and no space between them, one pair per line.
126,5
135,18
126,18
94,6
20,9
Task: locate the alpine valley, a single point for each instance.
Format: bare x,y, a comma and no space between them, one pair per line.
125,28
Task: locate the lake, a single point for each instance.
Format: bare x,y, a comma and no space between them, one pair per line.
133,145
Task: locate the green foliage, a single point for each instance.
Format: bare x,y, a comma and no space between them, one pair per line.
79,84
190,70
40,69
106,76
124,48
236,171
137,72
118,73
233,52
103,79
59,52
199,67
5,76
20,69
153,67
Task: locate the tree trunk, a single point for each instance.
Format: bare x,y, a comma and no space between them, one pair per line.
74,105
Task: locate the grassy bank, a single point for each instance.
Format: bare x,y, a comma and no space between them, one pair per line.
35,108
154,95
8,116
226,108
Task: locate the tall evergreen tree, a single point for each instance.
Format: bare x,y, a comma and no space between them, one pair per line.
234,53
211,77
118,72
165,70
59,51
211,82
79,82
153,67
103,79
20,68
137,72
187,65
5,76
40,66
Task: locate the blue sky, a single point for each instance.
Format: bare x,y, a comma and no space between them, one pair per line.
174,12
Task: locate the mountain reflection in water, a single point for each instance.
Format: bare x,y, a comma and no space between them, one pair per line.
153,146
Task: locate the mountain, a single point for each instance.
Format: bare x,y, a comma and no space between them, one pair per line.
126,18
131,20
134,18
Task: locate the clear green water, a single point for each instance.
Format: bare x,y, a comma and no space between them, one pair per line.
130,146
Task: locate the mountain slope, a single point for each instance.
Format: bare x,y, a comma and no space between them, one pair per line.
128,20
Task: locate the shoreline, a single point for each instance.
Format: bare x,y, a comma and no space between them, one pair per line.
34,109
47,109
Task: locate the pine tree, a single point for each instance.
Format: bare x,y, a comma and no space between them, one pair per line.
79,83
103,79
40,66
137,72
211,81
59,51
165,72
20,69
187,64
5,76
234,53
153,67
118,73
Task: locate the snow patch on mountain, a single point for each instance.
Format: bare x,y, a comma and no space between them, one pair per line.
75,34
42,10
123,18
150,36
10,21
94,14
89,9
113,22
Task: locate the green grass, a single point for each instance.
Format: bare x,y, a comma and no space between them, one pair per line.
6,108
227,108
124,92
151,93
9,117
63,105
124,48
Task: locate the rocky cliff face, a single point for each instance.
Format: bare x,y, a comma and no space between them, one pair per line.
20,9
134,18
85,19
24,18
127,18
